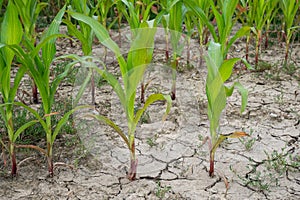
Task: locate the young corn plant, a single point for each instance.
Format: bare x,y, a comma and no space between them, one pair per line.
84,34
29,11
274,5
219,71
289,9
166,6
11,34
201,27
225,21
136,13
132,71
176,20
263,11
246,16
39,68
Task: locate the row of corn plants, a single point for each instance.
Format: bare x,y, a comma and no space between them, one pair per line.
85,20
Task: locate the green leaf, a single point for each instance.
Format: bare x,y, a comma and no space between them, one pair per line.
22,128
49,50
240,33
151,99
113,125
11,31
201,14
226,68
103,36
63,121
34,112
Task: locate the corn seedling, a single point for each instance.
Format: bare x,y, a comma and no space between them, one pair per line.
271,6
132,71
263,11
39,68
224,19
11,34
29,11
84,34
135,15
219,71
289,9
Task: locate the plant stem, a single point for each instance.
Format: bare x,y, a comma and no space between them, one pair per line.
35,93
133,161
13,160
142,92
49,159
287,47
211,164
174,70
247,47
258,41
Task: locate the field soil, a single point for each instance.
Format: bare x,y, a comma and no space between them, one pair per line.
173,159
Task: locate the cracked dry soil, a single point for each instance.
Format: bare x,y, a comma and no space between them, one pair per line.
172,159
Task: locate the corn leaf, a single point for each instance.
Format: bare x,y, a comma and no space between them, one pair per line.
112,125
22,128
243,92
49,50
63,121
201,14
151,99
103,36
215,90
226,68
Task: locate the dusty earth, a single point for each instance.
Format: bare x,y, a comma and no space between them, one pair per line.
172,157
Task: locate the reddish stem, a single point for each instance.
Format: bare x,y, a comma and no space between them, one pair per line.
142,92
132,171
35,94
14,164
211,165
173,90
50,165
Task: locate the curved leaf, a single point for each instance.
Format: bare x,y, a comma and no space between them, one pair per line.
62,122
151,99
22,128
112,125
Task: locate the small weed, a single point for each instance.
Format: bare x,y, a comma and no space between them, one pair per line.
290,68
161,191
266,174
248,142
279,98
152,141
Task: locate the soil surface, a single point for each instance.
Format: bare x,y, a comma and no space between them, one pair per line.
173,158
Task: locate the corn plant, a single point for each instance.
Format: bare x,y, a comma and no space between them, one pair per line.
275,7
263,11
39,67
176,20
136,13
84,34
224,19
289,9
246,16
132,70
219,71
11,34
29,11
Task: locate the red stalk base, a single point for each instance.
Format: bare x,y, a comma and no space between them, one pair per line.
35,94
14,164
50,166
132,172
211,167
